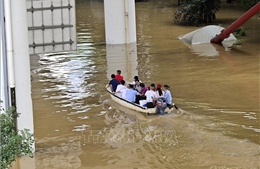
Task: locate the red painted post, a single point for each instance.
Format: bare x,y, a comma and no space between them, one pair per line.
226,32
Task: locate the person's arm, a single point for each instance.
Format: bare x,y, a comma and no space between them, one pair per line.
166,96
108,84
118,91
154,96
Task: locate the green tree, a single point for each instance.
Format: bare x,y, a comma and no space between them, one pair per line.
13,143
248,3
196,12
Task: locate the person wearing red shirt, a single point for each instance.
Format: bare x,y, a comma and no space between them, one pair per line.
119,77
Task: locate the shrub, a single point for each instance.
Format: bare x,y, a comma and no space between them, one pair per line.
196,12
13,143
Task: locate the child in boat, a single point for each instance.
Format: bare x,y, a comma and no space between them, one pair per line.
119,77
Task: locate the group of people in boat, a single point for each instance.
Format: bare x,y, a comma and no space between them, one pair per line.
137,92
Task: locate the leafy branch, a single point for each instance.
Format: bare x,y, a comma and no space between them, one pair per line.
13,143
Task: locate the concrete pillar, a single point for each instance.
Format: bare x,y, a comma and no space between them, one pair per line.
22,65
120,22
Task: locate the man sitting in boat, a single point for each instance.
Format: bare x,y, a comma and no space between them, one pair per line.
137,86
143,88
113,83
131,93
136,78
120,88
150,96
124,92
167,95
153,87
141,95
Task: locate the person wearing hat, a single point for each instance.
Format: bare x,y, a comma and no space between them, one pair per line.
158,91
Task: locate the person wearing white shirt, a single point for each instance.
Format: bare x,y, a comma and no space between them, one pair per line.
137,86
124,92
136,78
120,88
150,94
159,92
150,97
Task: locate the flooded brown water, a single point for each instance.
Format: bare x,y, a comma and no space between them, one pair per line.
78,126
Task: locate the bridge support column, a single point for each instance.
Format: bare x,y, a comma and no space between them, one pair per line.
120,23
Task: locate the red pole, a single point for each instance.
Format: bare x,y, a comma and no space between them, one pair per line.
226,32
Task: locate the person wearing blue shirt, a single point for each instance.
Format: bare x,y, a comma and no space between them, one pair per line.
131,94
167,95
113,83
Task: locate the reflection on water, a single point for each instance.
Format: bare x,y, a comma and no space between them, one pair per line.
124,58
77,125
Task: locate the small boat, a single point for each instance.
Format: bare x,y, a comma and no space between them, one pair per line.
134,106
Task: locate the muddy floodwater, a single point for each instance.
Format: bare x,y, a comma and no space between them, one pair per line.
78,126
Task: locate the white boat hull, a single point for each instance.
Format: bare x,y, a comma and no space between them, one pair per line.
134,106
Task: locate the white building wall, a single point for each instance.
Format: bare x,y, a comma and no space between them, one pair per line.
52,25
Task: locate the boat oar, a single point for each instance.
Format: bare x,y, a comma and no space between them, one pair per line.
176,107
